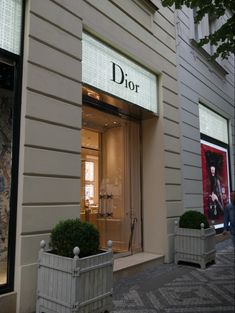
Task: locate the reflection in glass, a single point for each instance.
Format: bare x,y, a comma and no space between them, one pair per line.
89,171
89,192
6,105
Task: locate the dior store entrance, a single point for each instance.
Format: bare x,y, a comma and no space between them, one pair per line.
114,88
110,178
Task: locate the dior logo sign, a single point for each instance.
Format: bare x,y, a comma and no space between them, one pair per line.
121,78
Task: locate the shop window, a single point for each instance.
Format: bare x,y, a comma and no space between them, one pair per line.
215,164
10,43
6,110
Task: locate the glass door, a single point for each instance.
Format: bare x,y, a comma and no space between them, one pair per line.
110,178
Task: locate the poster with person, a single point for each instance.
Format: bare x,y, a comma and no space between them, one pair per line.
215,177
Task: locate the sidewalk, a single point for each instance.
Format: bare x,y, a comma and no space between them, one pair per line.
170,288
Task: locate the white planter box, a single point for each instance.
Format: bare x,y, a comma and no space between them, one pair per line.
67,285
195,245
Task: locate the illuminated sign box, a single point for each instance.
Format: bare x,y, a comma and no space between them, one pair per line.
111,72
212,124
10,25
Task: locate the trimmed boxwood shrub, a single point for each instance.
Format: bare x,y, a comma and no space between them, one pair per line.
193,219
70,233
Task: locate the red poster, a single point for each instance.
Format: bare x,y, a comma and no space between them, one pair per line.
215,181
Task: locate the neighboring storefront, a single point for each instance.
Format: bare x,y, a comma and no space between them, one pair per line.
10,77
215,164
207,120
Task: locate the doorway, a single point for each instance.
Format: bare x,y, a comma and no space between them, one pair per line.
110,178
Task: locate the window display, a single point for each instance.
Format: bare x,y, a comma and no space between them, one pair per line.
215,176
6,109
11,13
215,165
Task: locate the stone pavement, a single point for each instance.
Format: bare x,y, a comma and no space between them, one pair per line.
170,288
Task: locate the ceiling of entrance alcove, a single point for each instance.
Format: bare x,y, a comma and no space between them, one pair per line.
117,107
99,120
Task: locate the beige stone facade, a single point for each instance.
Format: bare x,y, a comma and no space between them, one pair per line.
51,121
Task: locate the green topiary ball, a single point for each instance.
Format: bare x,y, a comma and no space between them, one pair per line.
71,233
193,219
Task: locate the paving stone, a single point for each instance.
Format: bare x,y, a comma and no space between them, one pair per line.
171,288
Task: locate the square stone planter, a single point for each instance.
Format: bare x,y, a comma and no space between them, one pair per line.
195,245
70,285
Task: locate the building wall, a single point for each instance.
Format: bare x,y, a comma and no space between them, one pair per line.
49,175
200,81
50,133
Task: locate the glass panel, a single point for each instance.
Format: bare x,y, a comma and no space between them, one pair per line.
10,25
108,199
112,221
89,184
6,108
89,171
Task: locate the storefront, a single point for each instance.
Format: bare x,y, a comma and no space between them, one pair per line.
117,95
10,77
103,132
215,164
99,133
206,90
